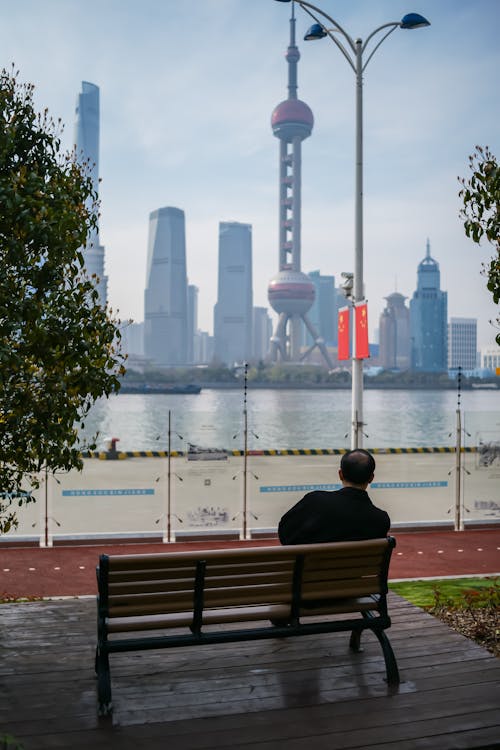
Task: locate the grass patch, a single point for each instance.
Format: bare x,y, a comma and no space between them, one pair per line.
453,591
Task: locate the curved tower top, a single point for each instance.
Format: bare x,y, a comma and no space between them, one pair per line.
428,260
428,274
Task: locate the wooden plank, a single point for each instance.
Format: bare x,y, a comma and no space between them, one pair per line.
294,693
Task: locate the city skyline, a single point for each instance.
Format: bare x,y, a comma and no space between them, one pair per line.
183,128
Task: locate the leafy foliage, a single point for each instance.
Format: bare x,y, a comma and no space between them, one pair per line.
59,348
471,606
481,211
451,592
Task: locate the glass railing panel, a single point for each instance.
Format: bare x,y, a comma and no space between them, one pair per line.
481,467
206,494
108,498
30,517
413,487
277,482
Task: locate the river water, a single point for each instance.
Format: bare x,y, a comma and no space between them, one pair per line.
286,419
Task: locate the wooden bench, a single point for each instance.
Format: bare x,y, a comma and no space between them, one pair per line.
180,598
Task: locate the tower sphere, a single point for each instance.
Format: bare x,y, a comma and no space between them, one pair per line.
291,292
291,118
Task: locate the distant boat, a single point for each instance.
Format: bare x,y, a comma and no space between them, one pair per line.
160,388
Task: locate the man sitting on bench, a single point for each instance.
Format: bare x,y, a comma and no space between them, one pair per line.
345,515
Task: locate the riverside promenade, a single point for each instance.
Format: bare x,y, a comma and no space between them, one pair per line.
28,571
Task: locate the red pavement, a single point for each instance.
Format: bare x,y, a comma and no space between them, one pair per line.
70,571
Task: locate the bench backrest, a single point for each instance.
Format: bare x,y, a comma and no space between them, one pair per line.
136,585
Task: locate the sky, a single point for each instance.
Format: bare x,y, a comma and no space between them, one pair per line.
187,91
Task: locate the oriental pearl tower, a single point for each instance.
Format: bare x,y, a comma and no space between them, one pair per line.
291,293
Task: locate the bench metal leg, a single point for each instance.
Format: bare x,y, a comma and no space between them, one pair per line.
355,641
391,665
103,683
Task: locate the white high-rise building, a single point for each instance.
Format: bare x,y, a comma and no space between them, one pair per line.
233,310
262,330
132,338
490,357
87,154
394,334
203,348
192,323
462,343
166,296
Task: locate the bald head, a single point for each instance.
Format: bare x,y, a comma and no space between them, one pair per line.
357,468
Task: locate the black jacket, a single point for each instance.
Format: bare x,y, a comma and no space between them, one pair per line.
345,515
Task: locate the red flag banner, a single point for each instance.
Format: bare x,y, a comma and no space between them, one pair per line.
343,333
361,323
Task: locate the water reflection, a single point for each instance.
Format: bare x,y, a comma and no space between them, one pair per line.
287,419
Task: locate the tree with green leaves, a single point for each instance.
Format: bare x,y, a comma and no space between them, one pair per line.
480,195
59,348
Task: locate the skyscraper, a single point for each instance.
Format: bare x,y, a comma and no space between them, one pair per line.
462,343
192,323
133,339
428,319
262,329
233,310
87,153
394,333
291,292
323,313
166,297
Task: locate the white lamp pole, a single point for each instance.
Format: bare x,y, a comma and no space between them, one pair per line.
354,51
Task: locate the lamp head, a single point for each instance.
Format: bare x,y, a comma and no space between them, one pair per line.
414,21
316,31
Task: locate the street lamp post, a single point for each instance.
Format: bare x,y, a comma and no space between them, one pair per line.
354,52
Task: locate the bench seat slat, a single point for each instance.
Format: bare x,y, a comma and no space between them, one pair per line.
227,581
236,614
176,572
210,582
153,604
179,560
166,603
255,554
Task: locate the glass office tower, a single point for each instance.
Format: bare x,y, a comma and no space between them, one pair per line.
428,319
233,310
166,295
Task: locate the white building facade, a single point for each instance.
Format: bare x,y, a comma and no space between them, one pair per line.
462,343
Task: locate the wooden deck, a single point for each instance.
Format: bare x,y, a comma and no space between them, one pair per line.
297,693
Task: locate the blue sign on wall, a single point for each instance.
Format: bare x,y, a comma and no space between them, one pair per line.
374,486
93,493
